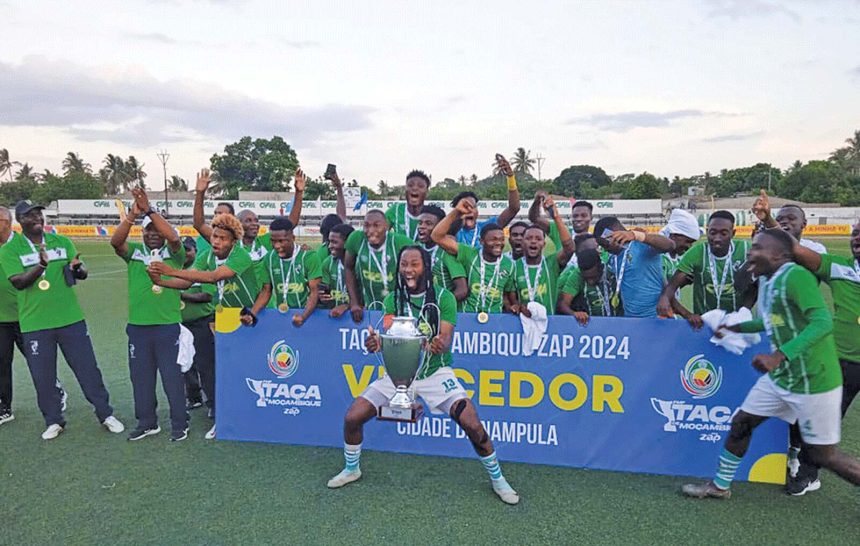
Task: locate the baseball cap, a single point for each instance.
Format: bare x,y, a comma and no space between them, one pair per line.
23,207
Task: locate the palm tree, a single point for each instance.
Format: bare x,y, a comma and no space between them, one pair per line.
383,188
462,180
854,152
73,164
5,164
25,173
114,175
473,179
134,171
521,162
177,183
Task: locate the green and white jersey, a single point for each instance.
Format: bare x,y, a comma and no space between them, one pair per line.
195,311
446,268
238,291
289,277
333,277
538,282
600,300
713,281
670,265
8,293
322,252
401,221
148,307
797,321
488,281
843,276
38,309
376,268
448,313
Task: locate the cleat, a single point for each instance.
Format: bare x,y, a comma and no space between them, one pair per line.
113,425
141,433
52,432
803,485
6,416
503,489
178,435
211,434
345,477
708,489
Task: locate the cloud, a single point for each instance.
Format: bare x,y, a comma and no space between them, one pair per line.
159,38
625,121
732,137
855,71
133,107
740,9
300,44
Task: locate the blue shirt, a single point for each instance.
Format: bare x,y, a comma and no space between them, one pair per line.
472,237
639,268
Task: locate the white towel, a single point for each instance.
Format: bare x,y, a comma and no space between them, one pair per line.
682,223
186,349
534,327
733,342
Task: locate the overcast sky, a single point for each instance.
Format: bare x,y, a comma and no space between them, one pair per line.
381,87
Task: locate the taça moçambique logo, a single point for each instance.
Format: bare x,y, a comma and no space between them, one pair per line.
701,378
283,360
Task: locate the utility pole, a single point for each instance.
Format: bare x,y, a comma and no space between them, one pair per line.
768,178
163,156
540,159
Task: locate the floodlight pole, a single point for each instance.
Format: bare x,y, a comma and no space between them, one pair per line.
163,156
540,160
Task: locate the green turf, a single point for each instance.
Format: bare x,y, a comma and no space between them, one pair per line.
91,487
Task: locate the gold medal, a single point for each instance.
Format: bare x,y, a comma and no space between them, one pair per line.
283,307
157,289
44,284
858,320
483,317
219,308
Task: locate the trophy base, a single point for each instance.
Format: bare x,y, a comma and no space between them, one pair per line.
407,415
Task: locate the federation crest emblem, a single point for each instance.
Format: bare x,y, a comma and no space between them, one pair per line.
283,360
701,378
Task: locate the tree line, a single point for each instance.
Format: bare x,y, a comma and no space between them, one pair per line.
259,164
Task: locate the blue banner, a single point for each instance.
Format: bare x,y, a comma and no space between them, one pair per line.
633,395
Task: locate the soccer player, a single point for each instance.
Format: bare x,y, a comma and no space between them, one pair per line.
844,280
590,290
636,263
10,330
536,275
802,381
715,268
333,293
153,320
197,314
489,274
292,272
370,263
403,217
683,229
416,296
581,214
329,221
516,232
790,218
226,265
470,227
42,267
447,271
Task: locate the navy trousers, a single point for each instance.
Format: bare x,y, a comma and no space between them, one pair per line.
151,350
204,356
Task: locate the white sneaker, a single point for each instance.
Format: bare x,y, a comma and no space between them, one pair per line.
52,432
113,424
211,434
6,416
503,489
345,477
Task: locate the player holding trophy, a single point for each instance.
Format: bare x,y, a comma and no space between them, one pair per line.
435,310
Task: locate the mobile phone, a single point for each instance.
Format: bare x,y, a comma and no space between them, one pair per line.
606,233
330,171
323,288
500,157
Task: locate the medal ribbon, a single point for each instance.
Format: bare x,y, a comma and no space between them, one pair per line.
33,248
712,263
533,290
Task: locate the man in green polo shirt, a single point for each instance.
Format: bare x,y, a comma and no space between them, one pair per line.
403,217
153,320
291,276
43,267
802,381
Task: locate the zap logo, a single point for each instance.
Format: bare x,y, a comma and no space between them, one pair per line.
701,378
283,360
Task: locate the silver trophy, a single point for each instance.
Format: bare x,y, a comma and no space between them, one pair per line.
403,352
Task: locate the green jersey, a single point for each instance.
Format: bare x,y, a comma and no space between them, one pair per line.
538,282
843,276
488,281
150,305
376,268
670,265
289,277
8,294
333,277
448,313
401,221
446,268
713,277
54,306
599,300
195,311
796,319
322,252
238,291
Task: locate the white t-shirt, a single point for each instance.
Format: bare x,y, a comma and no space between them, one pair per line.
818,248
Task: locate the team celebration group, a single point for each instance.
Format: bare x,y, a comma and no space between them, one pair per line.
415,260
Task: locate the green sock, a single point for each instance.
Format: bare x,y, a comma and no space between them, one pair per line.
729,463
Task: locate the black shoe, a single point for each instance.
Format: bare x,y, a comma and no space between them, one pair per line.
179,435
803,483
141,433
6,416
194,404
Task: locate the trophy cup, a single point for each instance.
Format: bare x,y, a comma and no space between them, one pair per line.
403,357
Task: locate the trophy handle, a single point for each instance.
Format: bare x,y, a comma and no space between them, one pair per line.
378,329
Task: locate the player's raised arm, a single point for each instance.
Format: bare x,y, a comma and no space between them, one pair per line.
204,177
513,207
568,247
298,197
809,259
340,208
655,241
535,214
119,239
440,234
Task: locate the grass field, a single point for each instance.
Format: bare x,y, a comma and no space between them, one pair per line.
91,487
